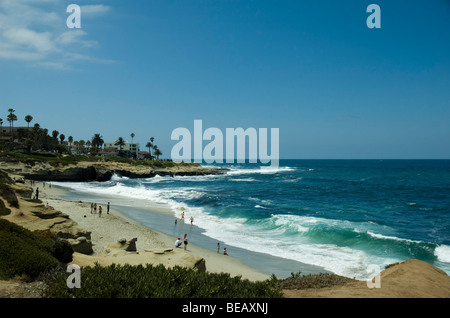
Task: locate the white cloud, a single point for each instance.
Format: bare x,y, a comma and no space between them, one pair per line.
9,52
35,31
94,9
26,38
75,36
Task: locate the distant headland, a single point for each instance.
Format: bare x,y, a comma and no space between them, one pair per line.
56,167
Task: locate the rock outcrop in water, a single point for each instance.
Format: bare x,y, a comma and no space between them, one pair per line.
103,171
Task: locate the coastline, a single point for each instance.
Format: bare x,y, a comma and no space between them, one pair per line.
150,242
407,279
159,216
108,229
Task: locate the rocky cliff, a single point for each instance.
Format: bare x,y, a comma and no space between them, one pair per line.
102,171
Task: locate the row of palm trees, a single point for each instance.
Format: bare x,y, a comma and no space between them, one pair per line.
38,138
11,118
150,145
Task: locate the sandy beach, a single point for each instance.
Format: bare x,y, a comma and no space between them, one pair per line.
152,246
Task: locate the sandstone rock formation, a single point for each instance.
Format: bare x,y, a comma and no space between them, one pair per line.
103,171
35,216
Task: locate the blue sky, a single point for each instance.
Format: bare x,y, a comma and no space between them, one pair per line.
313,69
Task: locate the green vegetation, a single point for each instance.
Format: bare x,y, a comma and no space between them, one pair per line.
3,209
6,192
117,281
37,138
56,159
51,158
149,281
297,281
29,254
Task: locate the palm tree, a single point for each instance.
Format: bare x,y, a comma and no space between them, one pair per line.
97,141
120,142
62,137
70,139
11,118
132,136
150,146
1,126
55,134
156,152
28,119
82,143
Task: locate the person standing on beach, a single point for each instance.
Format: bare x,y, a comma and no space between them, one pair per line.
192,220
107,209
95,208
225,251
99,211
37,193
185,242
218,247
92,207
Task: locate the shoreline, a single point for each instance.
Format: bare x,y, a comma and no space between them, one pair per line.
411,278
161,217
152,246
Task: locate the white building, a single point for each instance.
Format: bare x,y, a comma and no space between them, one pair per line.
131,148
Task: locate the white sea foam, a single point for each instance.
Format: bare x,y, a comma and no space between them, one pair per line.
341,260
116,177
442,252
282,236
244,180
387,237
118,190
259,170
260,207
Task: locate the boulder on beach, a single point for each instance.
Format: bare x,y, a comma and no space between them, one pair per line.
123,244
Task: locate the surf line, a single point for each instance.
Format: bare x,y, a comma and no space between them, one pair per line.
214,150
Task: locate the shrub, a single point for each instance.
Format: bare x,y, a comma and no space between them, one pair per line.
126,281
296,281
3,209
9,195
23,252
63,251
5,190
4,178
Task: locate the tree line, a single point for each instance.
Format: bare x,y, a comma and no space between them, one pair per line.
37,138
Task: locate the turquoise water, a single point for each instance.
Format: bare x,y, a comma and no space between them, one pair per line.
341,215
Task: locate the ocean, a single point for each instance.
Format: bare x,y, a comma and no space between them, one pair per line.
339,216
